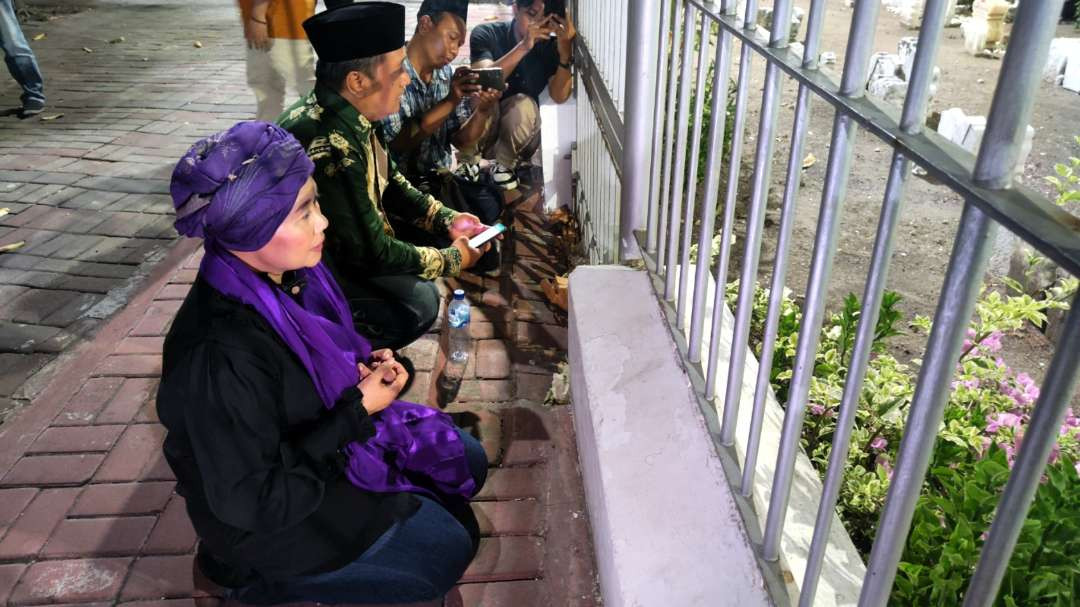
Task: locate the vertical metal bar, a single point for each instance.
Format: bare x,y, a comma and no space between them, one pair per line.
677,188
658,120
1014,96
860,44
755,225
1008,119
730,201
962,280
776,288
692,168
913,115
622,34
669,157
1039,439
787,222
721,73
637,126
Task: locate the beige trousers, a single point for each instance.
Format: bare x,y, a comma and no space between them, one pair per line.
288,65
511,133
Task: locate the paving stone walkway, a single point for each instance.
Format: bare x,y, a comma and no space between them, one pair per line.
131,85
87,184
88,511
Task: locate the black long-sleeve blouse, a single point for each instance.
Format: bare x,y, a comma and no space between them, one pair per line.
256,454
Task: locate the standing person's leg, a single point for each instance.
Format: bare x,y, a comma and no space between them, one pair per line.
394,311
417,559
266,82
295,61
20,59
519,130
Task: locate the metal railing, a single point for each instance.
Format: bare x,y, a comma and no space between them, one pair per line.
641,110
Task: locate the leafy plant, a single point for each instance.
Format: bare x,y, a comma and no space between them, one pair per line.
949,530
1067,180
986,413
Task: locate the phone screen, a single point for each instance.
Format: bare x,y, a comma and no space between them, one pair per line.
490,78
480,239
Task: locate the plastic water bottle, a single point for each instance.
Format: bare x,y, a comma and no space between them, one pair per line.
458,345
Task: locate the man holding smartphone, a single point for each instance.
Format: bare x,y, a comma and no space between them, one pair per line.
440,106
535,52
359,81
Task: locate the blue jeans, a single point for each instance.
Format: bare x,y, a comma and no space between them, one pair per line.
18,56
418,559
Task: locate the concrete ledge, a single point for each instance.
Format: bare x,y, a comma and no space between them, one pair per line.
664,521
843,570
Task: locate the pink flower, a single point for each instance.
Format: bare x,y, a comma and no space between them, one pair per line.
971,332
992,342
970,384
817,409
883,463
967,345
879,443
1077,466
1010,454
1002,420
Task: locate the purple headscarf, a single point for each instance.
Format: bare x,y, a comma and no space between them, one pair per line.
216,185
234,189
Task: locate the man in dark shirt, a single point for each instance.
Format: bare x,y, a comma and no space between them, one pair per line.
535,51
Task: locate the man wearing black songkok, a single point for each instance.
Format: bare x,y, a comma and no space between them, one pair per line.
359,80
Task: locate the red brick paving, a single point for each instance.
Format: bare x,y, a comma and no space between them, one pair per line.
88,512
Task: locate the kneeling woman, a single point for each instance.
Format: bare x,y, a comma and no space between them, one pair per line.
304,478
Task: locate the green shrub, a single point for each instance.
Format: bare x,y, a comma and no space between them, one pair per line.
988,408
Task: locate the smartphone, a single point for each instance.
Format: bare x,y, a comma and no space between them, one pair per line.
555,7
481,239
490,78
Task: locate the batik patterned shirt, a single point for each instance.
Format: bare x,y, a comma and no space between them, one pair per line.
353,172
419,97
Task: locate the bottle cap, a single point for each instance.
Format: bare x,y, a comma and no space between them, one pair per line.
459,294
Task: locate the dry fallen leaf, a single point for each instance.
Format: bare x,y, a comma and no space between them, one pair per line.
12,247
40,36
116,40
88,49
4,211
557,291
809,161
52,117
198,44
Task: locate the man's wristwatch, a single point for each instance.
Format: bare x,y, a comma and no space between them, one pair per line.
567,65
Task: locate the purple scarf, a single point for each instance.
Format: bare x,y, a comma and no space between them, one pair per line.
415,448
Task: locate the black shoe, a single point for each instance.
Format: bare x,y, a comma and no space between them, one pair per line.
32,107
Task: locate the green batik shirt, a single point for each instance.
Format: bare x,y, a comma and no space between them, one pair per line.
353,171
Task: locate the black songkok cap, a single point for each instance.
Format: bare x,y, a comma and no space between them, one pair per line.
434,7
356,31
